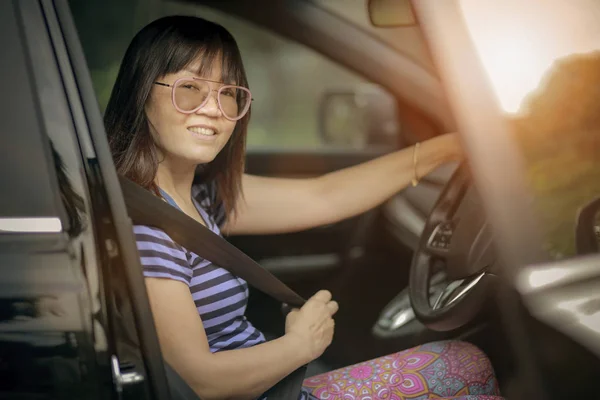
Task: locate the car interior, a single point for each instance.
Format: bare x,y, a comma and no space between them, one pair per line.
499,250
333,257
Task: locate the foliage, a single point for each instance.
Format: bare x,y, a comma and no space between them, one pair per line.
559,134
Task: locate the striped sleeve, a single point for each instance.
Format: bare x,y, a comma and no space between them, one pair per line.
161,257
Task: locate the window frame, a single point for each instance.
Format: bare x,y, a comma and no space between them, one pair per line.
115,240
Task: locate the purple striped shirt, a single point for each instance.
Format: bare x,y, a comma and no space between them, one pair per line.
220,297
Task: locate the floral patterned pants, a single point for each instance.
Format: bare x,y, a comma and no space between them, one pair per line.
439,370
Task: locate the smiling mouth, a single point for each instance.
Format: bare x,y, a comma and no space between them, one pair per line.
203,131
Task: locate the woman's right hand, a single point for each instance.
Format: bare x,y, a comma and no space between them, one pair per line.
312,325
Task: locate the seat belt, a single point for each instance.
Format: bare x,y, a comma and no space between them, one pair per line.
144,208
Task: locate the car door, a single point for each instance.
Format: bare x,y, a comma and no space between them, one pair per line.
66,260
46,251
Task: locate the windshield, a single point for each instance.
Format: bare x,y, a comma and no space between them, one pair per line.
543,62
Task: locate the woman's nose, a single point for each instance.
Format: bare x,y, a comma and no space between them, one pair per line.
211,108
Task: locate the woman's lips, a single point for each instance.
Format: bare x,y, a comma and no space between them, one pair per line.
203,132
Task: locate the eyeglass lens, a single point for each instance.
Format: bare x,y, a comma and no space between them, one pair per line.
190,94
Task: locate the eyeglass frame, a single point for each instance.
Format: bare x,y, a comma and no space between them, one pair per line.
223,85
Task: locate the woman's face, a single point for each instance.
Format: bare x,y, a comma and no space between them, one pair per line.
194,138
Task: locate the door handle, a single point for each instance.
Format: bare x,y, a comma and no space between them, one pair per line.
122,379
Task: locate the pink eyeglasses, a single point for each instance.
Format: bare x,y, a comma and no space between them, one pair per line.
190,94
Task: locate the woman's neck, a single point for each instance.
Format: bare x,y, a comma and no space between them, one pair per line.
176,180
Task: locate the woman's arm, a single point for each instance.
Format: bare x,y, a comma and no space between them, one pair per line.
277,205
234,374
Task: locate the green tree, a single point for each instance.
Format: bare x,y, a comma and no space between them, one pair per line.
559,134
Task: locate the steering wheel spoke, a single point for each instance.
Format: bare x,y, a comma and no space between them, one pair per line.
456,290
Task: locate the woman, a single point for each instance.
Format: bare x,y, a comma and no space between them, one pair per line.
177,121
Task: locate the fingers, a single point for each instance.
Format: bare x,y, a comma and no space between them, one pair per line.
331,328
333,307
331,324
323,296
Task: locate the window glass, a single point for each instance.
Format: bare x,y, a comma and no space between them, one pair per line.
105,29
288,81
42,183
543,62
24,176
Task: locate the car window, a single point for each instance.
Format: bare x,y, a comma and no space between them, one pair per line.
28,202
545,70
286,89
302,100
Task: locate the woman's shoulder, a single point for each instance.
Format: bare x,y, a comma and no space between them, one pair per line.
144,233
161,256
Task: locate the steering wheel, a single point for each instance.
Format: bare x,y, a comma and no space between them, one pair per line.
456,242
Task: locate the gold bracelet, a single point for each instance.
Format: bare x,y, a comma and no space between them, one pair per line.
415,179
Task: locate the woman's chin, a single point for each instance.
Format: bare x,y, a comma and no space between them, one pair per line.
194,154
202,157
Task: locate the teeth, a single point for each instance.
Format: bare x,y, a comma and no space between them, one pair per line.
201,131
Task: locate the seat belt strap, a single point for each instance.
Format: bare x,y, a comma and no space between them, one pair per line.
144,208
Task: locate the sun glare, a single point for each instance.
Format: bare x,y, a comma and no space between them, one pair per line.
518,41
513,68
